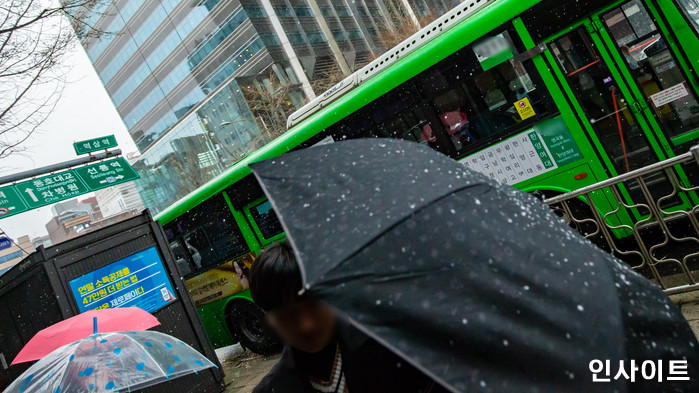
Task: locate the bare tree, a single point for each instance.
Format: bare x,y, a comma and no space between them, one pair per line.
34,36
401,27
271,104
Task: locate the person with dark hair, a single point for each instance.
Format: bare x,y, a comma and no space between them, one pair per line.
323,353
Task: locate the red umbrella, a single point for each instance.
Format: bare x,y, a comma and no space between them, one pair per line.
83,325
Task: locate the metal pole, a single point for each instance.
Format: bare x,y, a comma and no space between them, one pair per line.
57,167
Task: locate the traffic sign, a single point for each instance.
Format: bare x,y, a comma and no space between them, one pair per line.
90,145
5,242
49,189
10,202
106,173
57,187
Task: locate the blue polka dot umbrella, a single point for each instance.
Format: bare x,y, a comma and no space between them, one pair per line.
111,362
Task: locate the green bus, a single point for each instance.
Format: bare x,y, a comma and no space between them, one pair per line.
546,95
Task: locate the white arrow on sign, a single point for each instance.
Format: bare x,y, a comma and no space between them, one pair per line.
111,179
31,194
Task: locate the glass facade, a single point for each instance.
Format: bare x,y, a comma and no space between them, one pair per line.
215,136
189,78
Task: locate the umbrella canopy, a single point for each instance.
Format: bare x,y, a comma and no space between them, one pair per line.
477,284
111,362
81,326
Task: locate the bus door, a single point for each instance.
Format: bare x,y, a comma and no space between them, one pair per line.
610,104
664,88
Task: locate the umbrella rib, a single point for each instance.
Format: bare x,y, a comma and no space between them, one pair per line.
151,357
390,227
290,239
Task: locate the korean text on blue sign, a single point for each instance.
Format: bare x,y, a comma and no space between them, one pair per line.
138,280
5,243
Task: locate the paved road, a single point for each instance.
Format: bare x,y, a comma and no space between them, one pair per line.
689,305
243,369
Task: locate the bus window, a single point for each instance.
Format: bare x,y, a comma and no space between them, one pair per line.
477,103
654,67
690,9
266,220
181,257
457,106
206,236
402,114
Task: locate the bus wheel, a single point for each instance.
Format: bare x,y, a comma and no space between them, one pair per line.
247,323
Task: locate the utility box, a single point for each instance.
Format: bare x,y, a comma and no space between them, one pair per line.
122,265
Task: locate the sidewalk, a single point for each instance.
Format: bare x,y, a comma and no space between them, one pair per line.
243,369
689,305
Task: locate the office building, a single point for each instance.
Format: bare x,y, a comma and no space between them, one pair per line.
119,198
15,252
42,241
191,79
72,218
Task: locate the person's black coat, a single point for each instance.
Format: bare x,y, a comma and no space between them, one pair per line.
369,367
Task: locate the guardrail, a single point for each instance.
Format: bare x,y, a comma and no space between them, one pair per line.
652,224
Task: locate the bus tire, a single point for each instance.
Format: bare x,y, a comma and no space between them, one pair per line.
247,324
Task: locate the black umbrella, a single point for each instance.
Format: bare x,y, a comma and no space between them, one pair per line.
477,284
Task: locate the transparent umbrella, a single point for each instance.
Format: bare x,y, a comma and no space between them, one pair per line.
111,362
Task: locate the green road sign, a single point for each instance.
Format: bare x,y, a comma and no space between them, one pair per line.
90,145
50,189
57,187
10,202
106,173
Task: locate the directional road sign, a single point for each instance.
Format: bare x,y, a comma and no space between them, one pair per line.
106,173
90,145
48,189
10,202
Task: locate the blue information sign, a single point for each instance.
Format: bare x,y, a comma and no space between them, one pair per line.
5,243
138,280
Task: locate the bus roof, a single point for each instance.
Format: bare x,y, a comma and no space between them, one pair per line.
409,66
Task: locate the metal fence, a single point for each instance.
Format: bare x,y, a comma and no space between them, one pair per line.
646,217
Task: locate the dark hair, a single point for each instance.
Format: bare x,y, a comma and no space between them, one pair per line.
275,278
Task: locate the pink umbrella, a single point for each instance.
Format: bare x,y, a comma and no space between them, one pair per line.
83,325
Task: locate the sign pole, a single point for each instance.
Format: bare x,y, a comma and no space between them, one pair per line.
57,167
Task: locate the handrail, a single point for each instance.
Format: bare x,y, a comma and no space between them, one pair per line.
641,230
693,153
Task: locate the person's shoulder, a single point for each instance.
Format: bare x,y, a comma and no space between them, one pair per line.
283,378
270,383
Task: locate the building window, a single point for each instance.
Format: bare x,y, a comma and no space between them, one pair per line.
339,35
303,11
283,11
10,256
296,38
316,36
343,11
270,39
355,34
